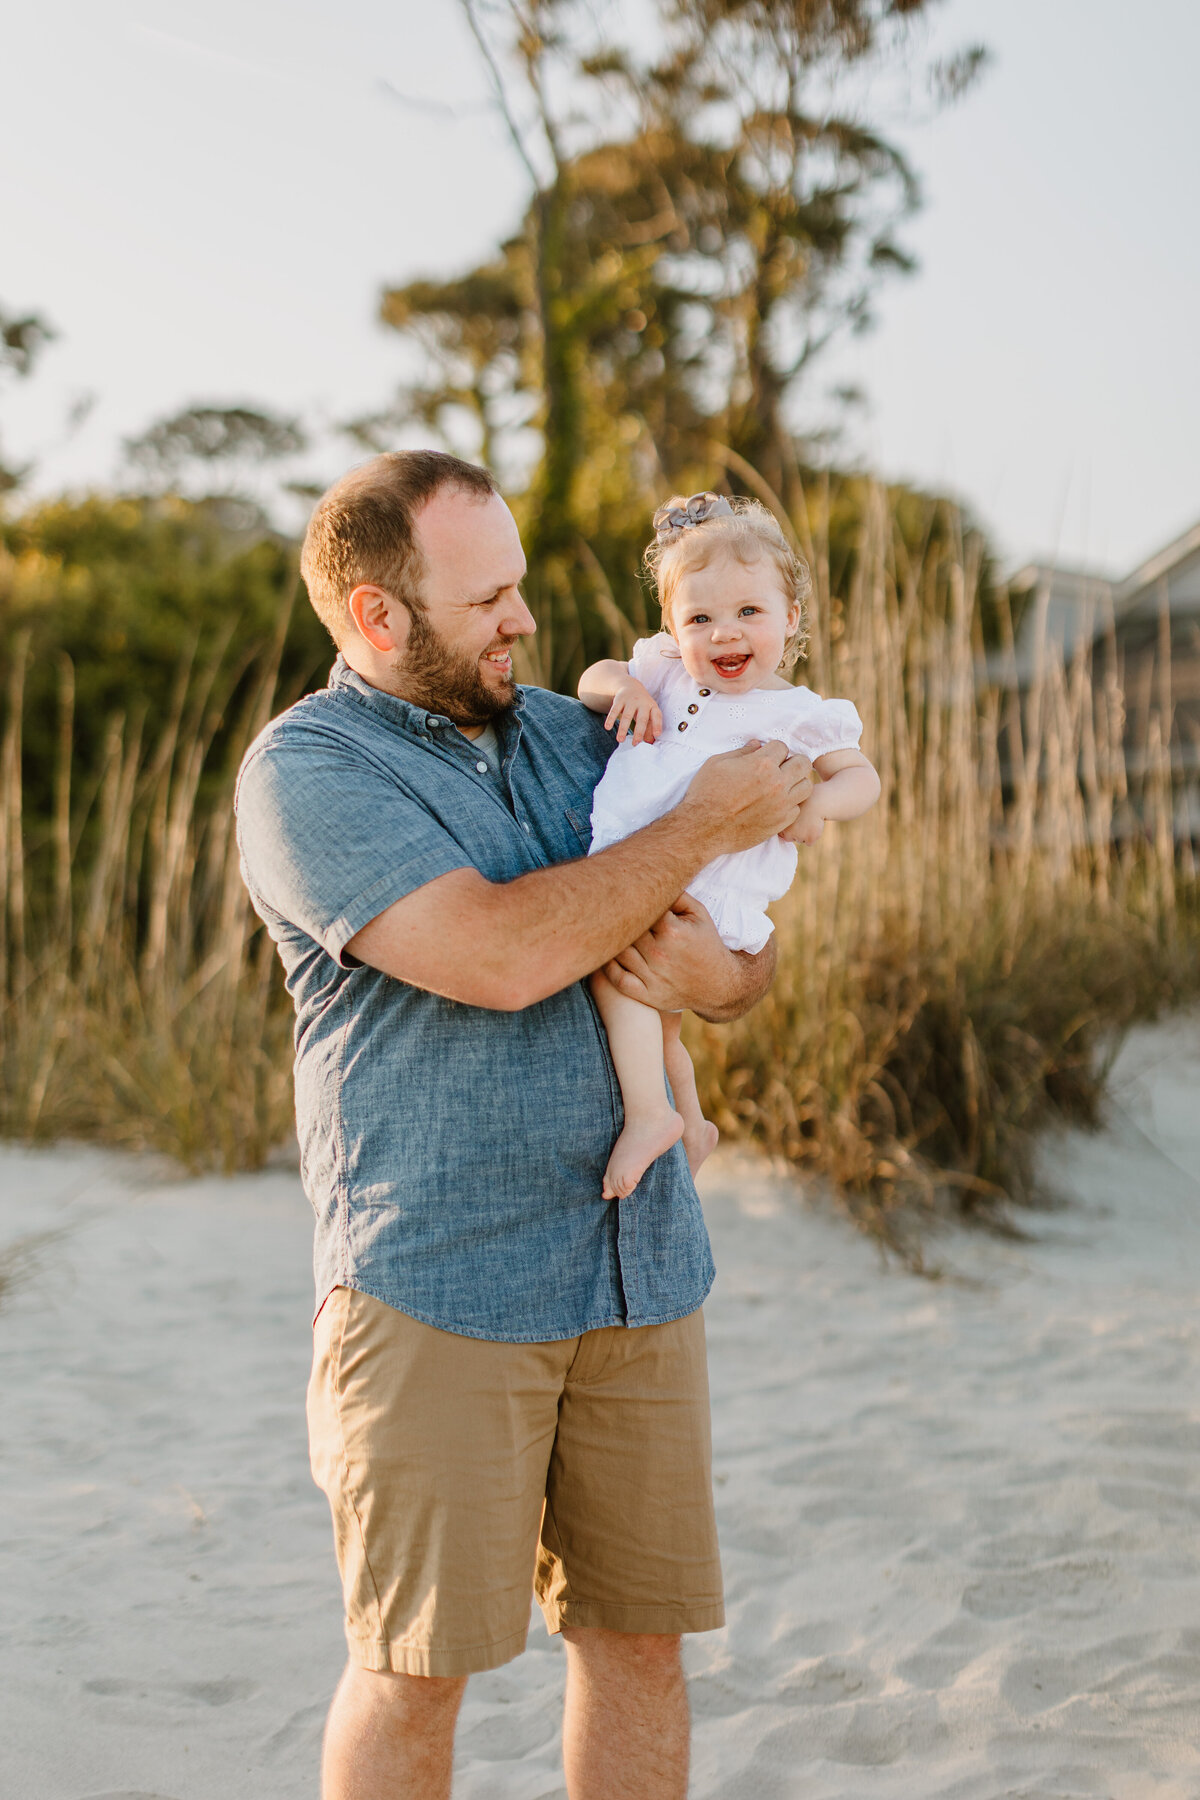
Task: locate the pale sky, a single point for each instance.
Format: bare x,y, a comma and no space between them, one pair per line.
206,199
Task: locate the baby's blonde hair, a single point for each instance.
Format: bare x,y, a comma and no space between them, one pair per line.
750,531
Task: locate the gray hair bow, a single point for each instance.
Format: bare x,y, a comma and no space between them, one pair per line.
669,520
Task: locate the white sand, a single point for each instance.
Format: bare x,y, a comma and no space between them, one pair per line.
961,1520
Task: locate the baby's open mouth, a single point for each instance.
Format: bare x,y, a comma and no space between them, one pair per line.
730,666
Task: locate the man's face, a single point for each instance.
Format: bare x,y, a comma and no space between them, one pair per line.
457,659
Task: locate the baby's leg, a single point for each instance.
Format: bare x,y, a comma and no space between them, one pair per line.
700,1138
635,1038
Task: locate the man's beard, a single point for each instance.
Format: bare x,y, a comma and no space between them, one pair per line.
430,674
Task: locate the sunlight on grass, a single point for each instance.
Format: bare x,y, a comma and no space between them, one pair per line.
955,969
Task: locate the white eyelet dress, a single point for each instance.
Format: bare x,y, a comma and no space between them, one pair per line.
644,781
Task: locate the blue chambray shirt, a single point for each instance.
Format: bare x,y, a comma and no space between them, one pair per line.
453,1155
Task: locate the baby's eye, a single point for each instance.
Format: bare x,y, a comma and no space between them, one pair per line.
698,619
748,609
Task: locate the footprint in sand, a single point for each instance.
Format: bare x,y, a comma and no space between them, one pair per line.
1173,1433
1042,1682
829,1680
1079,1585
868,1734
202,1693
217,1693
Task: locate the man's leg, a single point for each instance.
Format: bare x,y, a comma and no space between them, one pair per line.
390,1737
628,1557
626,1726
432,1449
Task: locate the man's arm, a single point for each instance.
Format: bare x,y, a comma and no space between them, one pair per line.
507,945
681,962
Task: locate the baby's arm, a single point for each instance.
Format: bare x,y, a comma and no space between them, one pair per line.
608,687
849,787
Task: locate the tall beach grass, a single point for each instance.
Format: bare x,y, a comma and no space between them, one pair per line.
956,970
140,1001
953,970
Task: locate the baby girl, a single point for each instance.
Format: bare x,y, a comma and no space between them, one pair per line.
732,594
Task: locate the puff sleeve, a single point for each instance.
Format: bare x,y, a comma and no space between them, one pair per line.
828,726
656,664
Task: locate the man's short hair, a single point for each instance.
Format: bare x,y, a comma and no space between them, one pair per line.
362,530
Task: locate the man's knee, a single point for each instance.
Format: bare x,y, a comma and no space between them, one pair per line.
405,1701
653,1656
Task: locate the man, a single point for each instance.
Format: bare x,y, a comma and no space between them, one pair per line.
509,1379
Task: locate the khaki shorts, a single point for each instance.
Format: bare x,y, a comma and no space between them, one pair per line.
458,1470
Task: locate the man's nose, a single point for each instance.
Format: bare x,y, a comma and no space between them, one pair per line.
518,621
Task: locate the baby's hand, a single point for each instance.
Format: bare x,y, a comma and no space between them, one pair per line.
635,713
809,822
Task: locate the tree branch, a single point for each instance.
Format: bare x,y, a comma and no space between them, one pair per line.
497,79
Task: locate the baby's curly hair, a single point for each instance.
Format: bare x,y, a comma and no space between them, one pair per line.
748,531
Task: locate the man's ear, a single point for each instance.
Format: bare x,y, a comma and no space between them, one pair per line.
381,620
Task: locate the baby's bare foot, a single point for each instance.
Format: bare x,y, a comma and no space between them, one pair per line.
640,1144
699,1142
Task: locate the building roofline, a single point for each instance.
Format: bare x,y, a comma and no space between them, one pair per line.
1035,574
1162,561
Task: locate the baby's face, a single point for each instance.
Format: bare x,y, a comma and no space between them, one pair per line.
731,621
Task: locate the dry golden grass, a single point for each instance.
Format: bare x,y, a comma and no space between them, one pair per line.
958,966
140,1002
953,968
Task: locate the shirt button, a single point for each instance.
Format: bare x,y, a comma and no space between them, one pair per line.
524,824
482,767
693,707
682,725
705,692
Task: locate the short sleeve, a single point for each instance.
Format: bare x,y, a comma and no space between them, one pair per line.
656,663
328,841
827,726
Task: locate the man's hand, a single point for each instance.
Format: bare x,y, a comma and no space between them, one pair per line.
795,831
749,795
681,962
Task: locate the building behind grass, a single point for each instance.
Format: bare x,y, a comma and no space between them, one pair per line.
1139,638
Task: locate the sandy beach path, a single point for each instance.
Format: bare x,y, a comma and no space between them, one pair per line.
960,1519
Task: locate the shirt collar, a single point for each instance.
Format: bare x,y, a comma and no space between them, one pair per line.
418,720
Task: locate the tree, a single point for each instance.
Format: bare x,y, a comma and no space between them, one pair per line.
22,339
221,449
132,593
702,219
